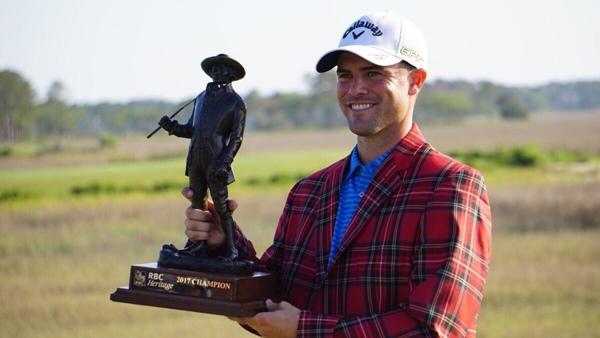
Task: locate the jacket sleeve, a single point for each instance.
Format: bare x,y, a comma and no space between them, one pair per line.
450,265
185,130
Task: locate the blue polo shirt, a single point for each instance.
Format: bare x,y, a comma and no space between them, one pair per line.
355,184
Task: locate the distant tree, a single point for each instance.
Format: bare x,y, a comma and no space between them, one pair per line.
294,107
488,90
442,106
55,117
324,110
511,107
485,98
56,93
16,104
255,107
581,95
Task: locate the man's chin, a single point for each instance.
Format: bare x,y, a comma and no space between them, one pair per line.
360,130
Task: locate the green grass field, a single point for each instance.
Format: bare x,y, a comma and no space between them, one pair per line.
62,254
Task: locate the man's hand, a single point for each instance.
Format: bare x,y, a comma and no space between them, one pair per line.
280,321
204,224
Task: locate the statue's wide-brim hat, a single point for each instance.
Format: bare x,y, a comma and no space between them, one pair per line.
223,59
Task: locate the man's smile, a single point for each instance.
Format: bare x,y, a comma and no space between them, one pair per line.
361,106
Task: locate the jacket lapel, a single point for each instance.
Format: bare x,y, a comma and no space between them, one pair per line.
327,215
388,179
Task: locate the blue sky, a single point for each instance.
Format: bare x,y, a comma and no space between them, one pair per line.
121,50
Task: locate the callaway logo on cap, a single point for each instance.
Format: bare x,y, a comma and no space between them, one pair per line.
382,38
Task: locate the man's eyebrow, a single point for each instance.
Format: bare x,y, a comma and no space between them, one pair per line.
362,69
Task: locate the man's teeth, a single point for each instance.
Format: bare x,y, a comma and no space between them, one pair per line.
360,106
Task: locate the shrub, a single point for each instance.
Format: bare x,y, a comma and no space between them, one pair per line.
94,189
108,141
13,195
526,156
5,151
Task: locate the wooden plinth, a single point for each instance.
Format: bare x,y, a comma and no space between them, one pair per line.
229,295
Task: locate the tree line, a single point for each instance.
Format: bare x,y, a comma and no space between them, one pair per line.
440,101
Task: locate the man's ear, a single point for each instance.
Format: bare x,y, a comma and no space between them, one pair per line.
417,80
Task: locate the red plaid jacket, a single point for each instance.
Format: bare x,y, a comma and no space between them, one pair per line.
413,261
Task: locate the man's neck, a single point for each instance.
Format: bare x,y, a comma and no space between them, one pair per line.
371,147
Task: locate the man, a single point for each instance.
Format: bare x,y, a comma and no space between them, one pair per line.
216,128
395,239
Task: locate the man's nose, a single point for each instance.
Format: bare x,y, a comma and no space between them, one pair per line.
358,86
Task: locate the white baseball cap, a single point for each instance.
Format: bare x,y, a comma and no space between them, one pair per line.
382,38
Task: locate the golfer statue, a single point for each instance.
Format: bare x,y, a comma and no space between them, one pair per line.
215,129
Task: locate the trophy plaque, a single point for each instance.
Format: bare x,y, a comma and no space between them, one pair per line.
213,293
196,278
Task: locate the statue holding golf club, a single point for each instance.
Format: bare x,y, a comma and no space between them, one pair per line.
200,277
215,129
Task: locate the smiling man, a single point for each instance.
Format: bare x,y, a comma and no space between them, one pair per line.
393,240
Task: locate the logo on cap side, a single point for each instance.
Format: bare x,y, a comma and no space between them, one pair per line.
363,24
379,56
411,53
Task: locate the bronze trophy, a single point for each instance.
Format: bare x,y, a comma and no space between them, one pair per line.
196,278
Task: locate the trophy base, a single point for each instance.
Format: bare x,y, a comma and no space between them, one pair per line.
219,294
178,302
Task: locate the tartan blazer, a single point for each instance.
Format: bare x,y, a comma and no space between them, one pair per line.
413,261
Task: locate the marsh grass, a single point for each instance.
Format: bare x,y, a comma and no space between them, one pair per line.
546,208
61,254
62,263
541,284
265,171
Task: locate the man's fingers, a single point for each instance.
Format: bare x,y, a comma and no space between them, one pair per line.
197,214
232,204
271,305
187,193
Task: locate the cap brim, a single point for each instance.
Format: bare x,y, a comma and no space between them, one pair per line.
371,54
